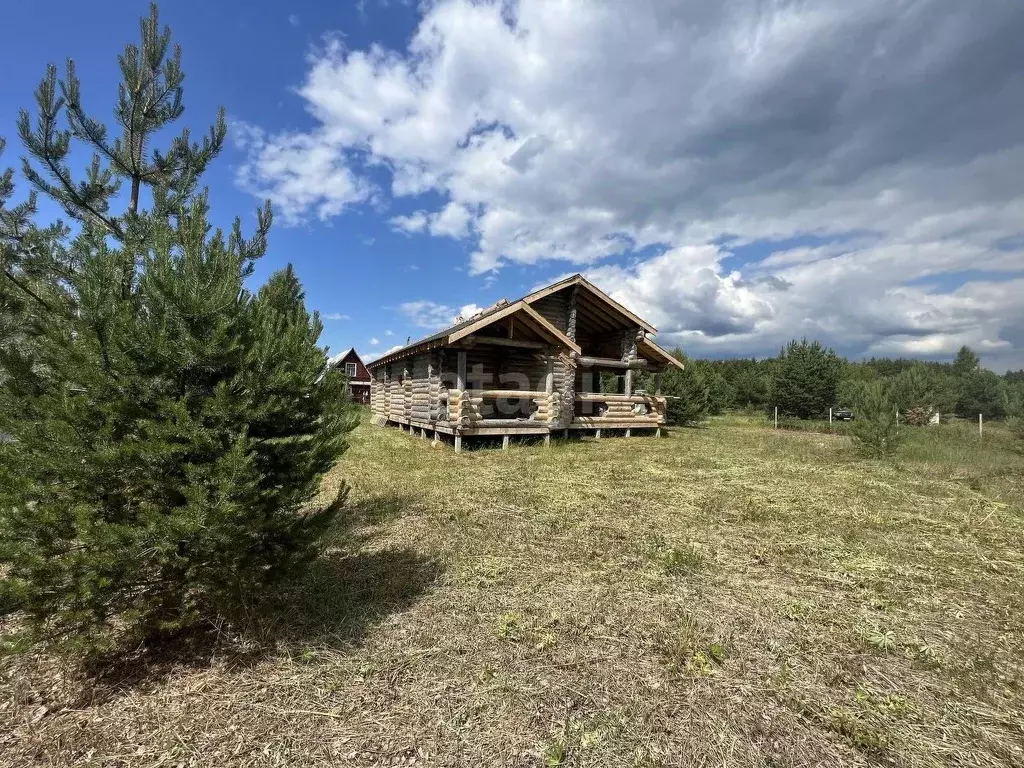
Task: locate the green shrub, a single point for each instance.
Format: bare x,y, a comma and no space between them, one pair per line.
689,394
1017,430
875,429
1016,421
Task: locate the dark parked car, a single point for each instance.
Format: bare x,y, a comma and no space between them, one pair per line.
842,414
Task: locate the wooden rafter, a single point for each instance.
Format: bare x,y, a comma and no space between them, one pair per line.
600,315
593,317
538,320
502,342
649,346
483,322
593,293
528,317
553,288
594,290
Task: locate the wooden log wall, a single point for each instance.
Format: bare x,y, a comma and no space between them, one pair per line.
438,393
620,408
423,388
396,391
517,365
413,389
378,394
556,309
418,389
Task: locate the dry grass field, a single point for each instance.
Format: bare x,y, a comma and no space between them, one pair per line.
724,596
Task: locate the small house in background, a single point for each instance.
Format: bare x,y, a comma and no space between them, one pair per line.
355,371
528,367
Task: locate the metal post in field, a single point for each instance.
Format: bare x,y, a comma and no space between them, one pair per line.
776,417
829,415
980,427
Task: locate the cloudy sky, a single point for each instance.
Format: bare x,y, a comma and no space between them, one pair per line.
738,172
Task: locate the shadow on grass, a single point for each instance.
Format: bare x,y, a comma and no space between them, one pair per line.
343,595
374,510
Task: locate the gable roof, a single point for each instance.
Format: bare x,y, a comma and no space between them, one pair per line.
597,301
653,350
341,358
611,306
335,359
529,316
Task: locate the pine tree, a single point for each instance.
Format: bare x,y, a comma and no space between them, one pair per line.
1015,410
720,391
750,388
913,392
806,378
875,431
688,391
169,428
981,392
966,362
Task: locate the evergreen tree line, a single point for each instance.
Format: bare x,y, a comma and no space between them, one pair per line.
806,379
164,429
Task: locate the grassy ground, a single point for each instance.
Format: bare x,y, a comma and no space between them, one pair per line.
725,596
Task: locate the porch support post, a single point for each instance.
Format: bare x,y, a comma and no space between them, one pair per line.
460,373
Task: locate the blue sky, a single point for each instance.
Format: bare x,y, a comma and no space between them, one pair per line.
250,63
738,173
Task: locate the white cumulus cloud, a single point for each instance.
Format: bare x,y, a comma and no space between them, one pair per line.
434,316
650,141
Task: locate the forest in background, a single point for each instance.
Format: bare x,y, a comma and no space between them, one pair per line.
806,379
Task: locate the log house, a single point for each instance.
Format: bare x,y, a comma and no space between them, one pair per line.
528,367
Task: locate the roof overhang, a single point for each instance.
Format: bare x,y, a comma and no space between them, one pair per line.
610,305
520,310
652,350
525,314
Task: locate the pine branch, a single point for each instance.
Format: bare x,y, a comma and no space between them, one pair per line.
27,290
82,126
